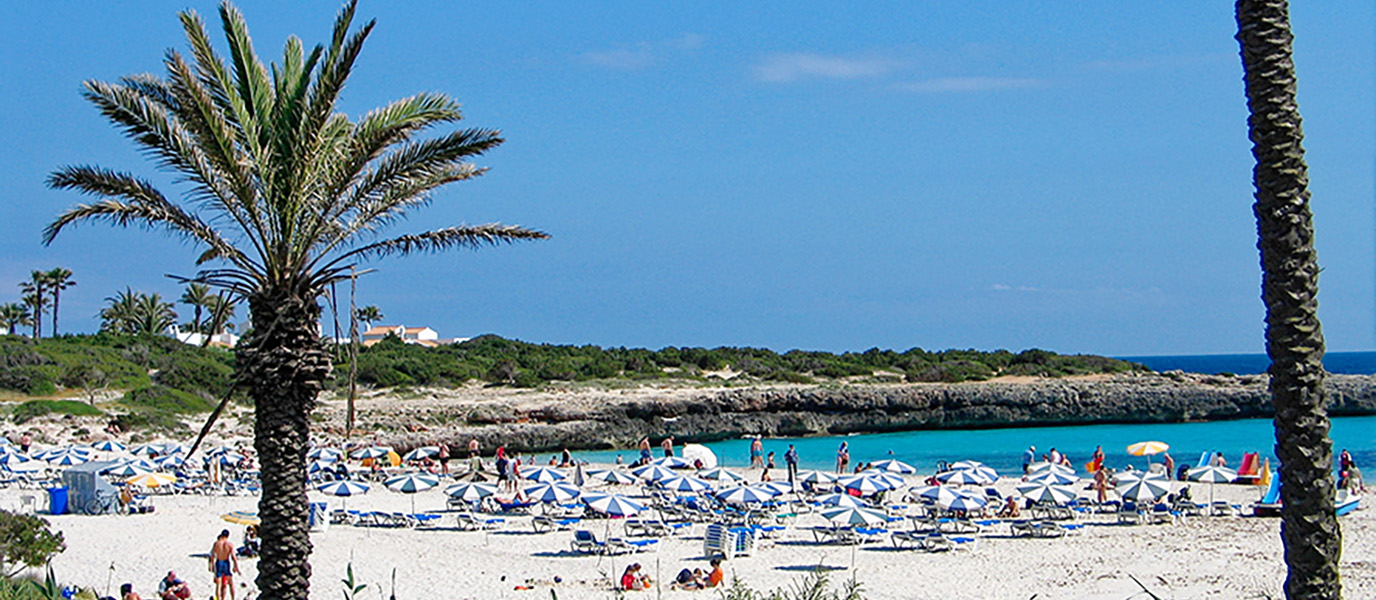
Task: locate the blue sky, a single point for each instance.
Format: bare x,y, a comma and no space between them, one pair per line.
934,174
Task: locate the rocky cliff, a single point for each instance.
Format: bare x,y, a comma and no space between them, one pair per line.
606,420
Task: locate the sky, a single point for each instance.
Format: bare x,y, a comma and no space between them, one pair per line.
948,174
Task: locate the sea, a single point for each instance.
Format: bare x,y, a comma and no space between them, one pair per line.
1002,448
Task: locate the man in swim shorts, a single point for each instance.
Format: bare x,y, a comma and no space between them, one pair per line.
224,564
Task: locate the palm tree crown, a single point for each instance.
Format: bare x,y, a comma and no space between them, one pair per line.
58,279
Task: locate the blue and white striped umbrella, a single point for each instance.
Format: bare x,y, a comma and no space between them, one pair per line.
420,453
1212,474
778,487
1052,478
371,452
1150,487
544,475
653,473
892,480
146,449
552,492
317,466
817,478
894,466
610,476
108,446
411,483
471,491
745,494
170,461
126,470
966,464
867,486
67,459
175,449
15,458
1049,466
939,494
1046,492
845,500
849,515
983,471
224,459
614,505
720,474
26,466
672,462
325,453
684,484
344,488
963,502
962,477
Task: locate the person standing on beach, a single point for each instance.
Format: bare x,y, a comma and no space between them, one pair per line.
791,460
224,563
756,452
1170,464
1101,484
843,457
668,446
443,457
1027,458
1098,460
24,442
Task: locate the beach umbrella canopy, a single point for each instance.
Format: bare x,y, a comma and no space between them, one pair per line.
698,452
720,474
544,475
616,477
1212,474
471,492
242,517
850,515
653,473
325,453
411,483
170,461
178,449
126,470
865,485
1124,478
421,453
843,500
966,464
1043,467
1052,478
684,484
146,449
108,446
672,462
894,466
936,493
1150,487
1047,492
817,478
892,480
67,459
962,502
24,466
152,479
1148,448
344,488
15,457
745,494
372,452
614,505
224,459
552,492
962,477
317,466
778,487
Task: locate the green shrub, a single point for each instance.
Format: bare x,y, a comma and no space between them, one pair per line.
160,398
25,541
38,408
153,421
197,375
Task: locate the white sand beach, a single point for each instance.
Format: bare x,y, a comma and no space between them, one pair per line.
1217,557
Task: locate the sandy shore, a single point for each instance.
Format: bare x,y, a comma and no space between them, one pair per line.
1200,558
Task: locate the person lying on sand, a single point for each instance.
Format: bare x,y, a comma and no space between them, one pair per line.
633,579
689,580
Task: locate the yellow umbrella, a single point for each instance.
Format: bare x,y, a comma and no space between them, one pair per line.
1148,448
242,517
151,479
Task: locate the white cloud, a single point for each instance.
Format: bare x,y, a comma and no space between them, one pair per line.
785,68
947,85
644,54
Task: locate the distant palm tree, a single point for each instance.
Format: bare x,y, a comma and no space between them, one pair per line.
1290,274
13,316
199,296
287,196
58,279
35,290
136,313
368,315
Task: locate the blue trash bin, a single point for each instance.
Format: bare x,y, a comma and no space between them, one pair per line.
57,501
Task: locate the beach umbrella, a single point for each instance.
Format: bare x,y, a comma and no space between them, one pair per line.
67,459
988,474
720,474
81,449
421,453
552,492
544,475
850,515
694,453
653,473
471,492
1047,492
108,446
778,487
176,449
817,478
171,461
616,477
1052,478
1212,474
894,466
372,452
242,517
890,479
325,453
146,449
843,500
24,466
1042,467
745,494
935,493
1150,487
614,505
672,462
152,479
126,470
684,484
317,466
411,483
866,486
1147,449
223,459
962,502
344,489
15,457
579,478
1124,478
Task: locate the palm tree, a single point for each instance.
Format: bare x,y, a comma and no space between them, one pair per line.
136,313
287,195
1289,268
199,296
34,290
13,315
119,312
368,314
58,279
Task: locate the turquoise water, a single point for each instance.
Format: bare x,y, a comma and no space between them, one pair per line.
1003,448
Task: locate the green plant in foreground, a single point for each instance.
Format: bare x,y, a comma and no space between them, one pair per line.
351,586
25,541
815,585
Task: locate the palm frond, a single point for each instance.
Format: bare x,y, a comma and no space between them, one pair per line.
449,238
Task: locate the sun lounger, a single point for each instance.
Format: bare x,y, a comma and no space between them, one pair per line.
545,524
957,526
727,541
1128,514
621,545
469,522
1160,513
1222,508
515,508
584,542
423,520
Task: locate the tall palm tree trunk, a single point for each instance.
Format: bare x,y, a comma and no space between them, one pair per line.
1294,339
285,366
